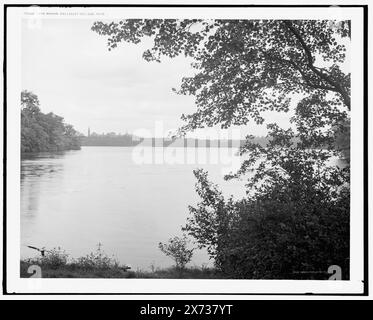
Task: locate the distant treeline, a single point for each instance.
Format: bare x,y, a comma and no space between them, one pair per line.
44,132
128,140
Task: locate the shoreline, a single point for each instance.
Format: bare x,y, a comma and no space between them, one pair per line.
74,270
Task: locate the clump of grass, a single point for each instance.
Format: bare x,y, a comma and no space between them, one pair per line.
177,273
56,264
53,259
97,260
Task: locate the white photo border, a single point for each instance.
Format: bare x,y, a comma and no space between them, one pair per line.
358,236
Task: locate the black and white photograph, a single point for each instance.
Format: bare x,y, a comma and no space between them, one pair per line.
185,149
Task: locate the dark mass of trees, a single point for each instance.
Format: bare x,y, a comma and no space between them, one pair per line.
295,217
44,132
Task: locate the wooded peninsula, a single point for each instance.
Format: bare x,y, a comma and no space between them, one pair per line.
44,132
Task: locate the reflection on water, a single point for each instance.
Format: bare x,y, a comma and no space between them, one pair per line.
77,199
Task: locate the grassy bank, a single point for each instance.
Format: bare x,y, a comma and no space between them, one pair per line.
57,264
72,270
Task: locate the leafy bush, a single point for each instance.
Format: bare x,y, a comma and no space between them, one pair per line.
177,249
289,227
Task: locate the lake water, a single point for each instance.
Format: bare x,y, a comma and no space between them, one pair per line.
124,199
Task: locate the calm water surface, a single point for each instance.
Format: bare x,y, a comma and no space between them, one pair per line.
77,199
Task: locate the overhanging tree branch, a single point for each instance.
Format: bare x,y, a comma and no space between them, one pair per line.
310,62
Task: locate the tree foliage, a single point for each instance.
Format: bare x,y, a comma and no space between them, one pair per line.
44,132
295,216
245,67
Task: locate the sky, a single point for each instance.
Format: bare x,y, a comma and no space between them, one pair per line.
70,69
